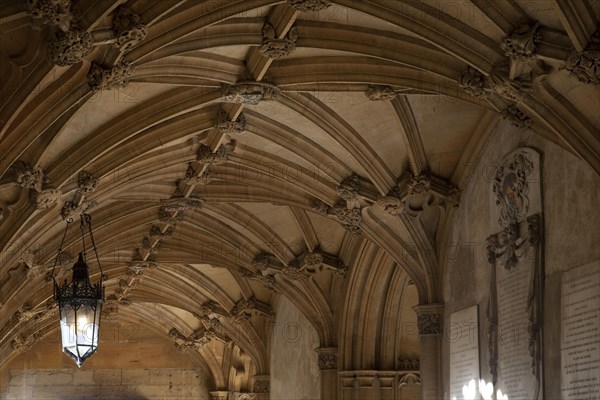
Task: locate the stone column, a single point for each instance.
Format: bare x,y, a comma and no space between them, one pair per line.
262,387
431,330
327,358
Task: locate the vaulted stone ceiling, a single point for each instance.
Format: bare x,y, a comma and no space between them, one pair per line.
230,152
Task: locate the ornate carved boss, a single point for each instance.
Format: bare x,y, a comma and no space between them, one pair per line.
309,5
277,48
250,92
585,65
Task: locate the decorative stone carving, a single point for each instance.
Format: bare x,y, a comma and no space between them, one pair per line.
419,184
192,179
250,93
409,365
429,324
71,211
219,395
51,12
207,157
474,83
349,218
246,308
266,261
156,232
267,279
187,343
22,343
129,29
27,176
309,5
391,205
516,117
46,199
172,213
25,313
86,182
101,78
138,267
261,386
327,358
585,65
521,44
348,189
429,319
511,189
225,125
68,48
111,307
380,93
243,396
277,48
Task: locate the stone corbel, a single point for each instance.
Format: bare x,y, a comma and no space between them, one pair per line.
413,193
521,44
250,92
516,117
100,78
245,309
275,48
309,5
187,343
52,12
585,65
381,93
225,125
128,29
68,48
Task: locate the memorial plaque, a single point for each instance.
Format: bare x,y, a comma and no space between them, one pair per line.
516,278
464,352
580,333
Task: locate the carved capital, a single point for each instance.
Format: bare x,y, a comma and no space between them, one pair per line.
219,395
129,29
275,48
309,5
250,92
516,117
68,48
585,66
101,78
51,12
521,44
261,384
430,319
380,93
225,125
327,358
474,83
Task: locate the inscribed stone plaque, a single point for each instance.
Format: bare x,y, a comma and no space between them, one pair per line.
516,278
580,333
464,352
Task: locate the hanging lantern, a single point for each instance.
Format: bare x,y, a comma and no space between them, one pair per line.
80,303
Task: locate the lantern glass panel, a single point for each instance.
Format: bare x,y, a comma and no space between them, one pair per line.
79,329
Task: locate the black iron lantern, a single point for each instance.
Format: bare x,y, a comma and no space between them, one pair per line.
80,302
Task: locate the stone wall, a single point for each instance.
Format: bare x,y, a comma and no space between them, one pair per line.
570,194
137,384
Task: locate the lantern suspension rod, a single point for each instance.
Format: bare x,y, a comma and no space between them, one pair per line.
60,250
